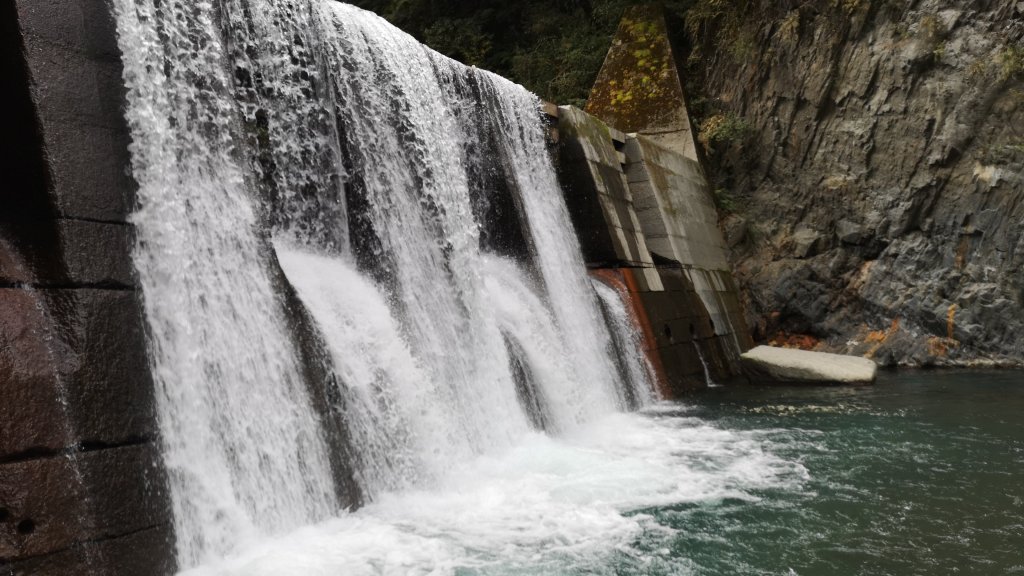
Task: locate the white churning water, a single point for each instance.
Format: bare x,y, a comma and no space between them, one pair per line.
314,253
549,506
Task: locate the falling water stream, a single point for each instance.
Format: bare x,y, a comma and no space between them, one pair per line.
355,373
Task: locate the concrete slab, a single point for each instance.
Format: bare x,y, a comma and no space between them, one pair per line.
771,365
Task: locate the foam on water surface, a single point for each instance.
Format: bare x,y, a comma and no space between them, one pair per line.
546,506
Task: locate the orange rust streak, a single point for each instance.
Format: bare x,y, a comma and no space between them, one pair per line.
650,342
879,337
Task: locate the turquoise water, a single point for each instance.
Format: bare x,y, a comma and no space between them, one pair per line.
921,474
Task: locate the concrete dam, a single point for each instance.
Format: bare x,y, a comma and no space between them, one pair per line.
268,264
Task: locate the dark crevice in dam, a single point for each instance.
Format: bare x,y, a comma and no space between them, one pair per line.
27,208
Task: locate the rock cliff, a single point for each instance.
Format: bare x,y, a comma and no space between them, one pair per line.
875,176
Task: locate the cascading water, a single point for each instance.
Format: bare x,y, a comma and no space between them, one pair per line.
636,369
243,446
557,250
704,365
235,138
309,145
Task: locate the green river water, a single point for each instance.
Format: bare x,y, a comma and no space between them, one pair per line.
921,474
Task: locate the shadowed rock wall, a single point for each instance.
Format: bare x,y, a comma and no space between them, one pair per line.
82,490
880,197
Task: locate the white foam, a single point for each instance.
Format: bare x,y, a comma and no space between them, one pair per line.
545,506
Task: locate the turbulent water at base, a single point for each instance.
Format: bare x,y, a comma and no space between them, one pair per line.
330,319
576,504
918,475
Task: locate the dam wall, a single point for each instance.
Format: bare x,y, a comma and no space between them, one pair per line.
648,226
81,480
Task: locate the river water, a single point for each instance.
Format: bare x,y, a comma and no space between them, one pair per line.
920,474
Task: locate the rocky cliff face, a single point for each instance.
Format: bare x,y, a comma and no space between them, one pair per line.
879,181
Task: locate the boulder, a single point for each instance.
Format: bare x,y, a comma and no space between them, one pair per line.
770,365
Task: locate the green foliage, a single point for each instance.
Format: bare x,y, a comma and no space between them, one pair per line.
554,48
724,201
723,130
462,39
1011,62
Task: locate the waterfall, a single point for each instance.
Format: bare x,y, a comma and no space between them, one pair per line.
242,444
635,371
441,308
704,365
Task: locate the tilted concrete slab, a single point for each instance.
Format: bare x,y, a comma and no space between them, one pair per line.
639,88
771,365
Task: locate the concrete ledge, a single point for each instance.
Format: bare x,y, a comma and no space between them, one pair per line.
770,365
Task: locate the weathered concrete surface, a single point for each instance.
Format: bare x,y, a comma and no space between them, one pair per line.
638,88
597,193
82,489
880,197
141,553
680,223
676,329
58,502
771,365
683,293
71,52
674,204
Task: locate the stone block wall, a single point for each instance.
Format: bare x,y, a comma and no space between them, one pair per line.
678,335
674,204
646,221
679,219
596,191
82,490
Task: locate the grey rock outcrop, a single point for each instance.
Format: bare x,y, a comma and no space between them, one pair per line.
882,184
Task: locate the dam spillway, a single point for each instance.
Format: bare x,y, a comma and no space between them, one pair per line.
411,205
357,273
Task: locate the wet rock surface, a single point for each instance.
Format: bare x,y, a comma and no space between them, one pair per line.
82,488
880,198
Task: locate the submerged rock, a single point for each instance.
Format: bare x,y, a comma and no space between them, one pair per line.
767,364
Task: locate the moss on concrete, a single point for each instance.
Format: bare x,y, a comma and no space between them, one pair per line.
638,88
